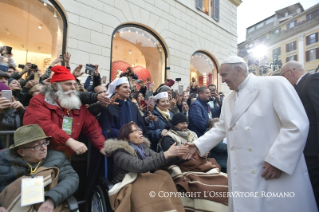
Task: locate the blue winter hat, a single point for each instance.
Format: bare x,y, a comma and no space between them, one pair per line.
10,80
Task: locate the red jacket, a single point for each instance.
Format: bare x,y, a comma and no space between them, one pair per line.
49,117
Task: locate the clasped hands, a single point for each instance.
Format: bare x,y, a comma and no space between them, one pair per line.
270,172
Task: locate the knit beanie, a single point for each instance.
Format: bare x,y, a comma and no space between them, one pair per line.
61,73
3,87
178,118
10,80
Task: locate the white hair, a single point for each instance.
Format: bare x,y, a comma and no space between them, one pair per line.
66,101
243,66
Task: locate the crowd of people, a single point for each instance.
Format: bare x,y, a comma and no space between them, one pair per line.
186,141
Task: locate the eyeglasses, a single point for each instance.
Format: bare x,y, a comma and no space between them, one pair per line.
137,130
283,74
39,146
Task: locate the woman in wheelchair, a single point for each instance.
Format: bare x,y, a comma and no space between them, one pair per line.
135,187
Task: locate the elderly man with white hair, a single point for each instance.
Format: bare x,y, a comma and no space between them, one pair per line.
60,113
266,128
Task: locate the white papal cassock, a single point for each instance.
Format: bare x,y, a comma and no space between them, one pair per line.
265,121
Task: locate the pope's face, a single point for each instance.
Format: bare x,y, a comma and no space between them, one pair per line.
229,76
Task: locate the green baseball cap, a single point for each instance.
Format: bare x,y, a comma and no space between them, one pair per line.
27,134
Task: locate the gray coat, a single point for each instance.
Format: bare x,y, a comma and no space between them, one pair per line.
125,159
13,167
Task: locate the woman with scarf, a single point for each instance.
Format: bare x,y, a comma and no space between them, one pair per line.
197,175
116,115
133,159
157,129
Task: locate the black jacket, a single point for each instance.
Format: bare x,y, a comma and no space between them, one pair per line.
308,91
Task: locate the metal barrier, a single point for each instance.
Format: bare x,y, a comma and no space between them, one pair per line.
8,133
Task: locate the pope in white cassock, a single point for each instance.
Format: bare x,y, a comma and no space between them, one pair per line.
266,128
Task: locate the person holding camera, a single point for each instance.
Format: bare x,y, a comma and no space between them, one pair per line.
129,73
6,56
215,102
11,114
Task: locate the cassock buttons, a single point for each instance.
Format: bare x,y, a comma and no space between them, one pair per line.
250,149
253,171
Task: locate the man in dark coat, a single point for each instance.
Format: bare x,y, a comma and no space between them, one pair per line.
28,153
307,87
200,112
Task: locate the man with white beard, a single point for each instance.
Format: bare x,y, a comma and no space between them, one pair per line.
60,113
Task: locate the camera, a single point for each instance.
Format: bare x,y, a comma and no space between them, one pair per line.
21,66
89,69
34,66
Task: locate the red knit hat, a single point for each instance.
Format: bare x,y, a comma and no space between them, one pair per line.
61,74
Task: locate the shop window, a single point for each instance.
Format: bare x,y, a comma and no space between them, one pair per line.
35,29
251,29
313,38
203,69
291,46
136,47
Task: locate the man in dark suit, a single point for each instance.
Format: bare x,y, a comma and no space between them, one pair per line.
307,87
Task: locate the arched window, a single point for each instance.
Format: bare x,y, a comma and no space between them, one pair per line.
141,49
203,69
35,29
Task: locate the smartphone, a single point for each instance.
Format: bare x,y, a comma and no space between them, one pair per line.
180,89
7,94
9,49
21,66
103,79
36,77
173,94
143,103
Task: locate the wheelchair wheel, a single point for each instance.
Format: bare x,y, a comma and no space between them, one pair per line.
98,203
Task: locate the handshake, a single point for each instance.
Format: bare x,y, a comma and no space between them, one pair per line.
186,151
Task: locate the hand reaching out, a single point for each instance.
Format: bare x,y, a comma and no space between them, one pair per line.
151,117
77,71
192,149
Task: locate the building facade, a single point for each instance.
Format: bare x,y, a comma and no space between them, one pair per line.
159,39
290,34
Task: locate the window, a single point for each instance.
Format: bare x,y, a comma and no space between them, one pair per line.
308,16
203,69
312,54
259,25
277,31
136,47
291,46
249,30
209,7
293,57
292,24
313,38
35,30
269,20
276,52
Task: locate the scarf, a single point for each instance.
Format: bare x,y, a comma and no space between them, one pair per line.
139,150
165,114
126,112
187,135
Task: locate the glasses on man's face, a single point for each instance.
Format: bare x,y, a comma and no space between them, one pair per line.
39,146
283,74
137,130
